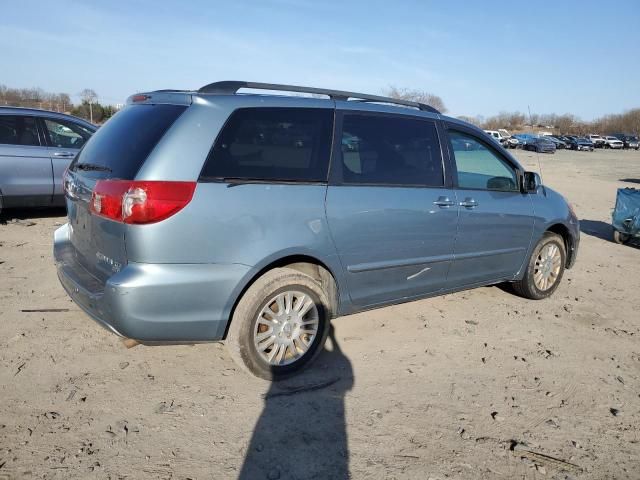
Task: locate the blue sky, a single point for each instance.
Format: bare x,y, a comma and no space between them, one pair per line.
483,57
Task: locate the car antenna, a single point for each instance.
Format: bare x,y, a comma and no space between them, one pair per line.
537,152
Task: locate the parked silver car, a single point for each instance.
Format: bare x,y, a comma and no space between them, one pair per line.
203,215
36,147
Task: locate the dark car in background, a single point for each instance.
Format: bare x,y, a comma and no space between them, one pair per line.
523,138
631,141
579,143
560,144
628,141
540,145
36,147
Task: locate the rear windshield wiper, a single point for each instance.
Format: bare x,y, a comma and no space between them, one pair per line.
92,167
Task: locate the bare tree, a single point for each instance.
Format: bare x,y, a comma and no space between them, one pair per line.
419,96
89,96
474,120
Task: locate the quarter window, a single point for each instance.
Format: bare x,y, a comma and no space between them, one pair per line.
18,130
385,150
273,144
66,134
479,167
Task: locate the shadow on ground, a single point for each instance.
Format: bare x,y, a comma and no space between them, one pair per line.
603,231
302,432
18,215
598,229
630,180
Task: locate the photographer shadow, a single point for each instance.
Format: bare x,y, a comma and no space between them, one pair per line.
301,432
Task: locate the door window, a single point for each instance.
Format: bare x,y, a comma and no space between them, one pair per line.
479,166
18,130
390,150
66,134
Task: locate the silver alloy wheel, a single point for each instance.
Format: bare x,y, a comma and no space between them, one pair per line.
286,327
547,267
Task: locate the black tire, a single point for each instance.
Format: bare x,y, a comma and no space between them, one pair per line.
620,238
240,336
526,287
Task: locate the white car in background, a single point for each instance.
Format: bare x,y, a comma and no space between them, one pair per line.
503,137
612,142
597,140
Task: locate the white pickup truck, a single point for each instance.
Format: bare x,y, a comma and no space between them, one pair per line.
504,137
612,142
597,140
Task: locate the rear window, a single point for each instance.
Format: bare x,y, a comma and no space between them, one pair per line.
18,130
272,144
125,141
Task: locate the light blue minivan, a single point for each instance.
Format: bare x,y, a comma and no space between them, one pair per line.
196,216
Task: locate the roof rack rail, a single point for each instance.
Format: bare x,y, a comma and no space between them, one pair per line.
231,87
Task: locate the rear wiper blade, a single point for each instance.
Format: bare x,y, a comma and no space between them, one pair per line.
92,167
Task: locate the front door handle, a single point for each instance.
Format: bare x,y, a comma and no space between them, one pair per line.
469,203
444,202
63,154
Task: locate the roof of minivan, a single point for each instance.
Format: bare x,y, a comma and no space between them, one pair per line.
232,88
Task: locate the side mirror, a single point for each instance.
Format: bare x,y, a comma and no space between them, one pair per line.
531,181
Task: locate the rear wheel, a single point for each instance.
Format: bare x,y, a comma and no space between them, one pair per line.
280,324
544,270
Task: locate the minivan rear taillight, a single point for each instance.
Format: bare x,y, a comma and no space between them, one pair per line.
140,202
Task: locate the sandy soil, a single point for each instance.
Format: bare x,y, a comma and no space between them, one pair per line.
479,384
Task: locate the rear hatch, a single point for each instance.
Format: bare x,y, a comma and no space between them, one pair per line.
116,151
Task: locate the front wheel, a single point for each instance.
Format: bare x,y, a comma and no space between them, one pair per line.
280,324
544,270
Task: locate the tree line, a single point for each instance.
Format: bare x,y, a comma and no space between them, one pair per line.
89,107
627,122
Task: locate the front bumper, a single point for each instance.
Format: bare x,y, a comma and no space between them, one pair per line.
153,302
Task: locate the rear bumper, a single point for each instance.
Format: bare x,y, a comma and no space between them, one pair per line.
153,302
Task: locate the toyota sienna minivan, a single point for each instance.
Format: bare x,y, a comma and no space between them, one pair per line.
198,216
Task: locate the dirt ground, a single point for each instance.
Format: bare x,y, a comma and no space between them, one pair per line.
478,384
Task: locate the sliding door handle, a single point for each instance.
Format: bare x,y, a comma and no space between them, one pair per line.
444,202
